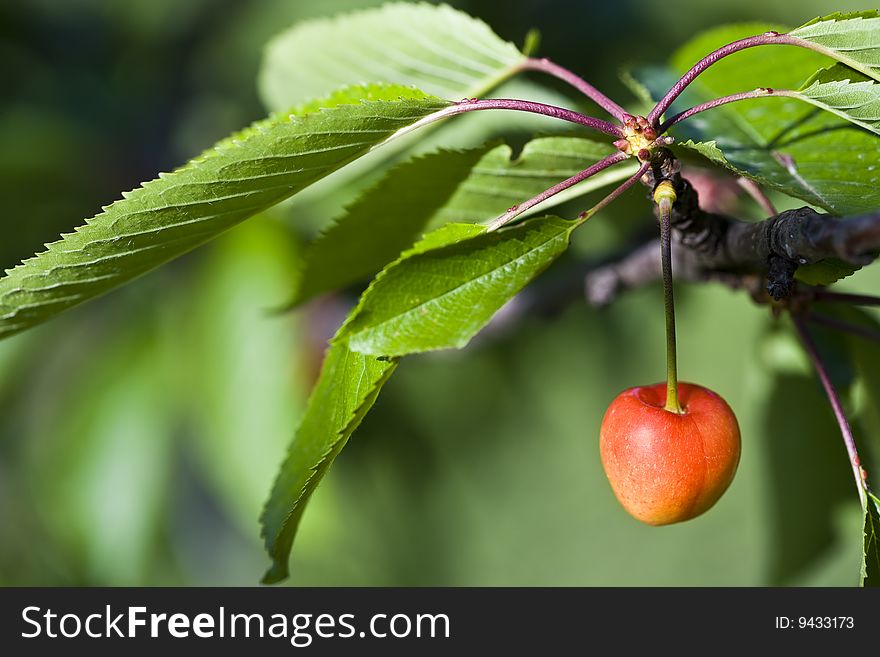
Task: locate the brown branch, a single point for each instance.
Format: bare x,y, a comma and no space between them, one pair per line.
713,246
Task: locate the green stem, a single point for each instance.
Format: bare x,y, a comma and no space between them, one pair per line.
664,196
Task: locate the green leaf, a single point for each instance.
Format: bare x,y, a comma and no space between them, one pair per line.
782,143
346,390
384,221
708,149
438,49
241,176
843,92
347,387
439,298
499,181
825,272
852,38
416,194
870,575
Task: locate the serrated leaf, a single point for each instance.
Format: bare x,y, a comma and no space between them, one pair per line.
440,298
436,48
416,194
825,272
708,149
384,221
346,390
499,181
852,38
347,387
782,143
843,92
241,176
870,575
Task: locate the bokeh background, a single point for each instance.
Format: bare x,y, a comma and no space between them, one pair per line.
139,434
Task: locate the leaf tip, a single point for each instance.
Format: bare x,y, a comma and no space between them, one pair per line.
278,572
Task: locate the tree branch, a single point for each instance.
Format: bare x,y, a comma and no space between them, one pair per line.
712,246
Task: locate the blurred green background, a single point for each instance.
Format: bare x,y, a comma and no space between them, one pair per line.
139,434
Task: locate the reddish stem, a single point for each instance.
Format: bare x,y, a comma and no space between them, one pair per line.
768,38
551,68
518,209
837,407
761,92
474,105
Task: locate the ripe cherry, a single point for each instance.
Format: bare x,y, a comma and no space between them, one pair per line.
666,467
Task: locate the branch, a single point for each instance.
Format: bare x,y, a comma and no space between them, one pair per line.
713,246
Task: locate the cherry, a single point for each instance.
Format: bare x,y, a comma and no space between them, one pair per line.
663,466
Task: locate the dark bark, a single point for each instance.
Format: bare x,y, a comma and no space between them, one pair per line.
712,245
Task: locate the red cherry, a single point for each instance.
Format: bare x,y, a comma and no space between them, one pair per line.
666,467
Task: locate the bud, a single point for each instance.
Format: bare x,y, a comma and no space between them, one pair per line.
623,145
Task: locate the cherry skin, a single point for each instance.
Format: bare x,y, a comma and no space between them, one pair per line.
666,467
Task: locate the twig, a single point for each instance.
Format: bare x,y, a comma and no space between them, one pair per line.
777,245
837,407
740,253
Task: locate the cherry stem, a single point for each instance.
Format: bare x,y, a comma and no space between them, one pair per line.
843,325
518,209
761,92
754,190
475,105
544,65
821,294
845,430
664,196
768,38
